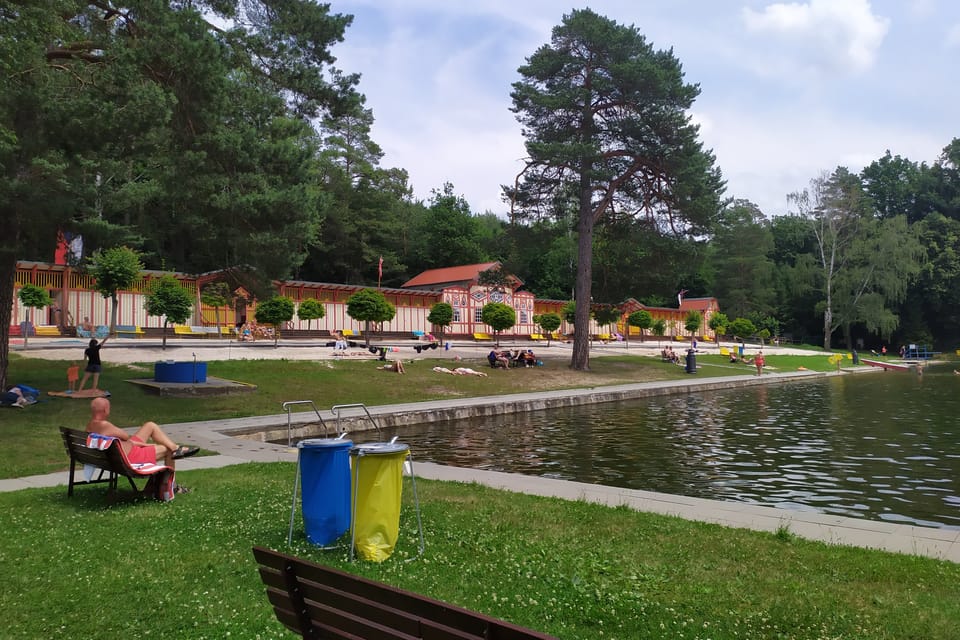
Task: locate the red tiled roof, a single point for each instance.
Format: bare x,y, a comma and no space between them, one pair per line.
699,304
463,273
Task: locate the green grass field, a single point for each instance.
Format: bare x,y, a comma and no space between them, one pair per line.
80,568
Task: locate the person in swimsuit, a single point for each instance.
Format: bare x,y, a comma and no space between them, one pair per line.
138,447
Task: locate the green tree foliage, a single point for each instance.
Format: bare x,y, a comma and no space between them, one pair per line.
743,271
154,122
441,315
275,311
545,253
311,309
796,274
166,297
33,297
718,323
866,264
548,323
741,329
366,207
447,233
114,269
692,322
569,311
498,315
607,315
659,329
642,320
368,305
216,295
893,185
607,127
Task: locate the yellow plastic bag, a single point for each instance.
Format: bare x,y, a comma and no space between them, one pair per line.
377,491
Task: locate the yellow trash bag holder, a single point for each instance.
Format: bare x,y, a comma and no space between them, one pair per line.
377,486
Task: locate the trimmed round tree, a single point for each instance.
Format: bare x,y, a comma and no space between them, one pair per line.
441,315
741,329
114,269
718,323
692,323
548,323
166,297
216,295
500,316
642,320
369,306
311,309
275,311
36,298
607,316
659,329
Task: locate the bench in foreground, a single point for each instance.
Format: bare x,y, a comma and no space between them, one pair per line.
321,602
112,463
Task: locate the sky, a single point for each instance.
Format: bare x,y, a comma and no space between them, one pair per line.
789,90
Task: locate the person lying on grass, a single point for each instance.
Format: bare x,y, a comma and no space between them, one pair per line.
138,447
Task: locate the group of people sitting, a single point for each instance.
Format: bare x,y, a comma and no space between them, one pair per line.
667,354
250,331
506,360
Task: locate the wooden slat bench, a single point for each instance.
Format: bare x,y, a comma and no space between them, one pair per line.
321,602
111,462
482,337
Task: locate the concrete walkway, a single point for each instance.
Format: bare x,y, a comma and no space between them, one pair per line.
222,437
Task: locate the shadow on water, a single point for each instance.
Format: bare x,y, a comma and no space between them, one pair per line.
881,446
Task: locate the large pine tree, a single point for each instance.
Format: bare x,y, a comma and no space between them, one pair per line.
606,122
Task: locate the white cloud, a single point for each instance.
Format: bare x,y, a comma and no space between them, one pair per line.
819,36
953,37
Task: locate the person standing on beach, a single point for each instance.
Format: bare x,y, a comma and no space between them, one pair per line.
758,361
94,366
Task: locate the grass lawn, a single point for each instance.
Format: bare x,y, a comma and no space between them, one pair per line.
80,568
34,445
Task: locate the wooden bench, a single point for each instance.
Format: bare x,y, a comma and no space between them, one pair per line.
111,463
195,331
536,337
316,601
482,337
418,335
129,331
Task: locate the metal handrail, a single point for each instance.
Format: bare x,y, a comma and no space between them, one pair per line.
290,403
335,409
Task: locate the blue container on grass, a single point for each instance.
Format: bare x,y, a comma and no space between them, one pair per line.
325,481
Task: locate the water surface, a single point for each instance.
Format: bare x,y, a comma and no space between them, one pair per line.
881,446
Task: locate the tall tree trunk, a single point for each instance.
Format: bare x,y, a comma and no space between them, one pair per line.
827,324
8,272
582,287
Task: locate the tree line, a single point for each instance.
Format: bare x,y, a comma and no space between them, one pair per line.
219,134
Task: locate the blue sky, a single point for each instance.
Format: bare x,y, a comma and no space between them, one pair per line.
788,89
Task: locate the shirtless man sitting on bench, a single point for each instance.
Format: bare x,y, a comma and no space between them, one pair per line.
138,447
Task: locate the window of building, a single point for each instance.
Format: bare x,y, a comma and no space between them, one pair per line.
478,315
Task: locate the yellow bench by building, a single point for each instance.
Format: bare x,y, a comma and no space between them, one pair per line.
482,337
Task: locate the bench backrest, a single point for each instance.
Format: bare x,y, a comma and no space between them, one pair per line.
75,442
321,602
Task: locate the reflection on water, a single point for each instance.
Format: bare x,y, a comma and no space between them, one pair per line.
881,446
